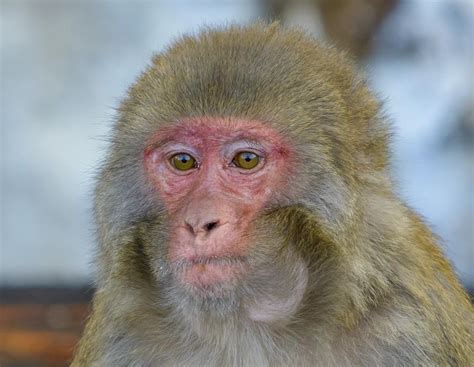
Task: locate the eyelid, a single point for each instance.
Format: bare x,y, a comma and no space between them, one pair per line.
244,145
171,149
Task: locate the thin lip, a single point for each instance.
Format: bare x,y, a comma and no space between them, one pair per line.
215,259
186,263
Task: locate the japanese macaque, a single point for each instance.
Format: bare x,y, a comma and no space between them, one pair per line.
246,217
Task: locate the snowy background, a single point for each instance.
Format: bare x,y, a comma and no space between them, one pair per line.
66,64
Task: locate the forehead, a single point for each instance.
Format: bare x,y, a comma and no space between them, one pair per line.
206,130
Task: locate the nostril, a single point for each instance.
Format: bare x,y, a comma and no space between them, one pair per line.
211,225
201,229
189,227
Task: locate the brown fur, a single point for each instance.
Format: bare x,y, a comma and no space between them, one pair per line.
379,292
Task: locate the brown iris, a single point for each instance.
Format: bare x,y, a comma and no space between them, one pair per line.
183,161
246,160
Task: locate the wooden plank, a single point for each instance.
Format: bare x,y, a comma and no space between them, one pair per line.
53,348
40,334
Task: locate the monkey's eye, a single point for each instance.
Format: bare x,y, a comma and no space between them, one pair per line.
246,160
183,162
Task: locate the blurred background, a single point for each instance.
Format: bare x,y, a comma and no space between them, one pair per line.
65,65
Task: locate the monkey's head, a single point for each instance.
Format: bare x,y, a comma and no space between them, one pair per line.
234,172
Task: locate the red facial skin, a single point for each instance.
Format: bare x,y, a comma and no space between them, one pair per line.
213,205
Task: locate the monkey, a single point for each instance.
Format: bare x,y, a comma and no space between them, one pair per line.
247,216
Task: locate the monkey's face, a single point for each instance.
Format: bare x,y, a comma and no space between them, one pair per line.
214,177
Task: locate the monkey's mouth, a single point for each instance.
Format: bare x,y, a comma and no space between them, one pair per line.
209,271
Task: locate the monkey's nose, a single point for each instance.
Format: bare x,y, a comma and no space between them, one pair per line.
202,228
